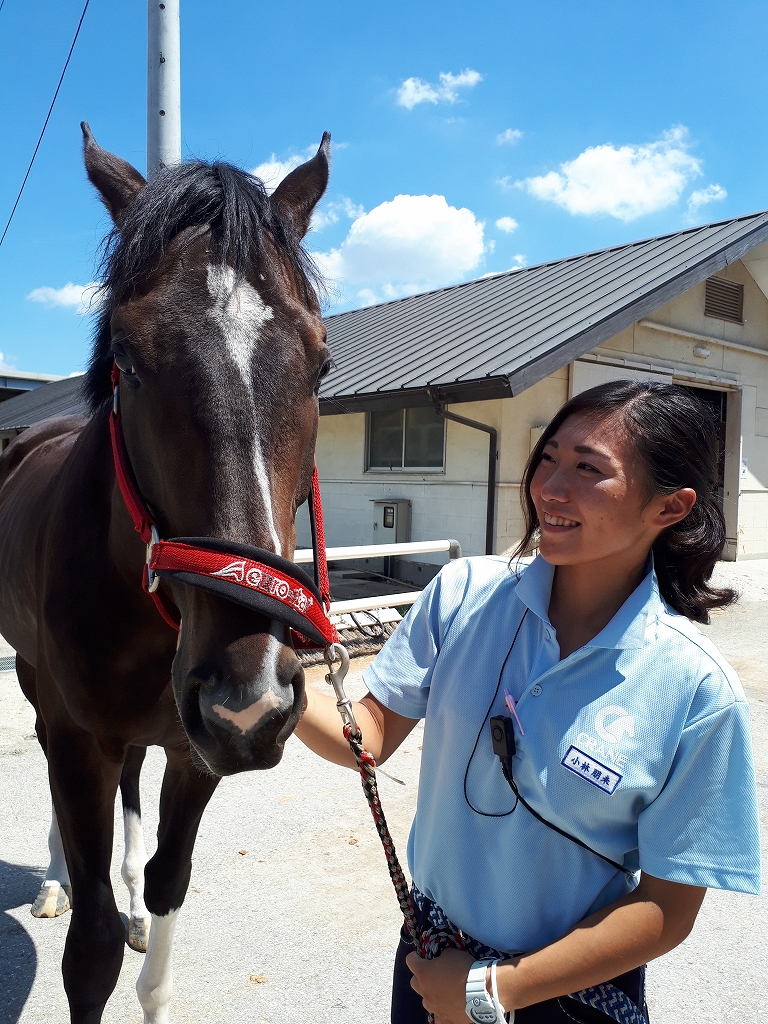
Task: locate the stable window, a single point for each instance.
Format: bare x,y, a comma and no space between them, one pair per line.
406,439
724,300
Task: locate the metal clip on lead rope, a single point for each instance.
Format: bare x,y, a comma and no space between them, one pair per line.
336,677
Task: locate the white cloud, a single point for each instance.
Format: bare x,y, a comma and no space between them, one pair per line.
509,137
82,297
415,90
704,196
4,365
507,224
625,183
518,262
406,245
273,171
331,212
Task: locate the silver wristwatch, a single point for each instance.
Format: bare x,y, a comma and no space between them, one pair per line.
480,1007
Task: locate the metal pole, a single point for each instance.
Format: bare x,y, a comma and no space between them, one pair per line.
163,86
493,437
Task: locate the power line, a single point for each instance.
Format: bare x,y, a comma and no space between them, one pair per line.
50,111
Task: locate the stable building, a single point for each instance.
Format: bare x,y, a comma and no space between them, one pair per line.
437,399
398,459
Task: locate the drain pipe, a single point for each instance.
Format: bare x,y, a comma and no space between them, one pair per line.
490,508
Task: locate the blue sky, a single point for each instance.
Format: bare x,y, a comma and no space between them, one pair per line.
468,138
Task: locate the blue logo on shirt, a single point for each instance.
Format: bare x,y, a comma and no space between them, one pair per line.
594,771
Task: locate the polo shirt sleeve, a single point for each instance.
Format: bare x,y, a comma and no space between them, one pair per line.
703,828
400,676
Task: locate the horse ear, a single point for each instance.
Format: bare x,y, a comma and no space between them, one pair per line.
118,183
300,191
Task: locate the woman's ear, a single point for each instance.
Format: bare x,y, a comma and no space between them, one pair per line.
674,507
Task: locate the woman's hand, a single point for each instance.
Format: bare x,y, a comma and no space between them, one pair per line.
442,984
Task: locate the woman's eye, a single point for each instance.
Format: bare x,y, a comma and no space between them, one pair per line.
124,364
546,457
586,465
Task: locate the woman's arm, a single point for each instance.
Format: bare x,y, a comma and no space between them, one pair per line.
646,923
320,728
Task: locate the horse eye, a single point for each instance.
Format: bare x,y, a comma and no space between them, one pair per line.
124,363
325,369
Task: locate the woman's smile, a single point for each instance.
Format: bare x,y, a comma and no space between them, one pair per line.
558,521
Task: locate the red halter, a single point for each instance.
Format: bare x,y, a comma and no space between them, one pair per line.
251,576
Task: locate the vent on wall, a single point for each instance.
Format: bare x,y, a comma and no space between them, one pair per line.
724,300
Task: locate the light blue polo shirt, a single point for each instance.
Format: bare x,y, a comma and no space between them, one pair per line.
638,744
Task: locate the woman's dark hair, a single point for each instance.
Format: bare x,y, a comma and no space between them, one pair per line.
674,434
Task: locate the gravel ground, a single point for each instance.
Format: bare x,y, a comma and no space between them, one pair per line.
304,923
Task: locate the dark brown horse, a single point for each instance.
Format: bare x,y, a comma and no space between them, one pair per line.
211,315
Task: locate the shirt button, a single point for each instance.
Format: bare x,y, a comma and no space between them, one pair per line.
536,690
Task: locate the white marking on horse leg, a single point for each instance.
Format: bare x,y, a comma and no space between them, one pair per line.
134,859
55,896
240,313
155,983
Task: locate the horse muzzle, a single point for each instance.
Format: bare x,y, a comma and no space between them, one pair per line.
239,710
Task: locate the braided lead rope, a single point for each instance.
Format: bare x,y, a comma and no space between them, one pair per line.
367,768
366,765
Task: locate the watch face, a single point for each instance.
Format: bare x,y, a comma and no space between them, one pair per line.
481,1013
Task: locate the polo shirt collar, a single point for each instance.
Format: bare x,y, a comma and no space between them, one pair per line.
628,626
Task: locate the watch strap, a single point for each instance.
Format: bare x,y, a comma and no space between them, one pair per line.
501,1013
480,1007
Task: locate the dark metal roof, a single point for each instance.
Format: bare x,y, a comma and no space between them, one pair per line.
490,338
499,335
61,398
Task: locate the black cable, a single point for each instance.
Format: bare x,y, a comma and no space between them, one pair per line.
490,814
506,768
50,111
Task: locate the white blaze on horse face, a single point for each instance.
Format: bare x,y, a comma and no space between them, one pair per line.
240,313
134,859
155,984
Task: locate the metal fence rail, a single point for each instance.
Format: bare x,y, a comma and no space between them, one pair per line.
416,547
366,604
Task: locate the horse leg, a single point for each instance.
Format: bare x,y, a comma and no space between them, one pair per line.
84,785
135,851
185,794
55,895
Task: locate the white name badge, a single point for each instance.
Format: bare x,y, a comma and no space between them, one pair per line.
592,770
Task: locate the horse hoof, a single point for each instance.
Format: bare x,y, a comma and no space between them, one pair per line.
53,900
138,933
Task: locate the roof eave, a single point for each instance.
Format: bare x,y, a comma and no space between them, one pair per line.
483,389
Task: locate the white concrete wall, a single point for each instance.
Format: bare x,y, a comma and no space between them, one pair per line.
453,503
449,504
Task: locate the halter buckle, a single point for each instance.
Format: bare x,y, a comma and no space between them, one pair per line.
332,654
153,580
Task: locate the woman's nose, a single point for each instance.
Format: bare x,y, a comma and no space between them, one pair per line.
555,487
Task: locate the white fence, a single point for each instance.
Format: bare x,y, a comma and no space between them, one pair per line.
367,604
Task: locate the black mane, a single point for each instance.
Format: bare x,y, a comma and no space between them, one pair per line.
232,204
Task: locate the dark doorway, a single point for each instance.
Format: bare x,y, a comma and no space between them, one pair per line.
717,402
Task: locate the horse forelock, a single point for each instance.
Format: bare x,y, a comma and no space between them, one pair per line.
246,230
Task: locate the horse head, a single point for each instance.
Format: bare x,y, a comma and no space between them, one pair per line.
211,314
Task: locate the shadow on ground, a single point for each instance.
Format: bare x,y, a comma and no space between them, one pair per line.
18,961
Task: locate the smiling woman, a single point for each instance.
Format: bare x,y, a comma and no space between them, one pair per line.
586,771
